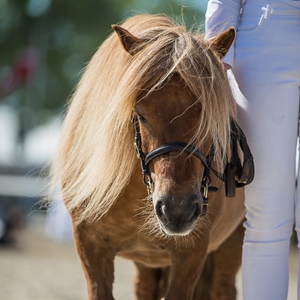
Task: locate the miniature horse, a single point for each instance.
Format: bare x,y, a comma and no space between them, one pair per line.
166,88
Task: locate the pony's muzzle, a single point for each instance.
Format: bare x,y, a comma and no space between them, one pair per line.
178,216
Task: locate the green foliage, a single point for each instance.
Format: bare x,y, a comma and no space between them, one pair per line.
64,34
183,12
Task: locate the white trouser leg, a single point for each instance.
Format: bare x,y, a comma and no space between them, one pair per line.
297,213
270,120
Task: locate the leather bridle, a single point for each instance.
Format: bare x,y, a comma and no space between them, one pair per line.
235,174
172,147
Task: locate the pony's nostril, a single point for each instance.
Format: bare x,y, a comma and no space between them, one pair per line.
197,210
195,213
160,209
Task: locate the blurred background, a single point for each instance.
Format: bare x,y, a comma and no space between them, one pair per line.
44,45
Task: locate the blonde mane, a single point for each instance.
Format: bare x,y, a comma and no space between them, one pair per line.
96,156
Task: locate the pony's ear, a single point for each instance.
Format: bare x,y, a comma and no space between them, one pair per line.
128,40
223,42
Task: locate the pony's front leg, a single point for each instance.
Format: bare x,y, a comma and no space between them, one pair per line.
150,283
226,263
97,260
185,272
146,282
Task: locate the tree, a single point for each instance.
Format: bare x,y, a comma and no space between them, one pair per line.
46,43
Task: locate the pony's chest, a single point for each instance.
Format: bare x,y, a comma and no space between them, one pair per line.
131,240
149,254
130,237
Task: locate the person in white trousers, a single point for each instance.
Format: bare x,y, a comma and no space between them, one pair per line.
265,60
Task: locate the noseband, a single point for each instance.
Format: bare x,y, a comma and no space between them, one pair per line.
172,147
235,175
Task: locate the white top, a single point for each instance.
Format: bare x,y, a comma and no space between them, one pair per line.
220,15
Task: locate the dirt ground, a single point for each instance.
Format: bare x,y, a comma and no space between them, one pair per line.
37,267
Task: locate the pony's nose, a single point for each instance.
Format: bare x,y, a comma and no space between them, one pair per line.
177,216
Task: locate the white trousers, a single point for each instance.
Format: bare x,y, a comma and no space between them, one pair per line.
267,69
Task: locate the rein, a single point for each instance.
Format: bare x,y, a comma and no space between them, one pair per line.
235,175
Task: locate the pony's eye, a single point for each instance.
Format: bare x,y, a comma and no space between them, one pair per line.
141,118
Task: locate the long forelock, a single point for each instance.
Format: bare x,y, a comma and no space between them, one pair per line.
176,50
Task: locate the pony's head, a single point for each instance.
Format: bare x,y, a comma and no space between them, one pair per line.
174,82
173,121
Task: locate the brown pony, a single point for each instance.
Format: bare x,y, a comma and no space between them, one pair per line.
166,87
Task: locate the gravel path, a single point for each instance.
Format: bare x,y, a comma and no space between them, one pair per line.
36,267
